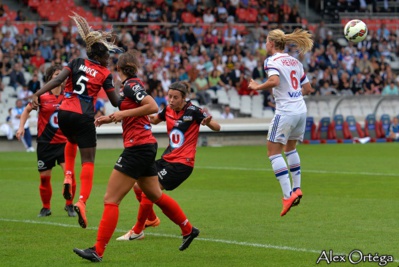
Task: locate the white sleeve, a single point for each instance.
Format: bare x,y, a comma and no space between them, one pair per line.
271,68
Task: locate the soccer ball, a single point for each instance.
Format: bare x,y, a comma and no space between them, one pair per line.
355,31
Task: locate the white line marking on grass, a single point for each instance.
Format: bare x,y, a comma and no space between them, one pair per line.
173,236
263,169
238,243
303,171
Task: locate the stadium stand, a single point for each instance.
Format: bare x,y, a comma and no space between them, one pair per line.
173,39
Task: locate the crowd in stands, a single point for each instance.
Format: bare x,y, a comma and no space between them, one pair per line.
211,51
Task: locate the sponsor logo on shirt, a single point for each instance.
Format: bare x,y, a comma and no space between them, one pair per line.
187,118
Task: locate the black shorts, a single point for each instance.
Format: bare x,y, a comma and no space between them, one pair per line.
171,175
138,161
78,128
48,155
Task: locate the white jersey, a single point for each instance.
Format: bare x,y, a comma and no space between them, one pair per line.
288,94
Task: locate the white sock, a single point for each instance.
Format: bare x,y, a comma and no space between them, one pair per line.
280,170
294,163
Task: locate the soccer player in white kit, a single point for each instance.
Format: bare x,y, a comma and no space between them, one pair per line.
288,80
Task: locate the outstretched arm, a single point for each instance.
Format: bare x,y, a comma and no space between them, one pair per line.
24,117
55,82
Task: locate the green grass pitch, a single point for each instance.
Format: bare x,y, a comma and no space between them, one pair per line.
350,202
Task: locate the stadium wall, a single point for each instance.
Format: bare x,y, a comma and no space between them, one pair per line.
236,132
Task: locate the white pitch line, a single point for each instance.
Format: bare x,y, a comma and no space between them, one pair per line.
303,171
262,169
231,242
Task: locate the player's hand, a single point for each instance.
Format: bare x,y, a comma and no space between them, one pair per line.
116,117
252,85
20,133
102,120
35,101
206,121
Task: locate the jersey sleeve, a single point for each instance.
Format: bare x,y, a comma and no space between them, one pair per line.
271,68
161,115
199,115
108,84
134,91
304,78
71,65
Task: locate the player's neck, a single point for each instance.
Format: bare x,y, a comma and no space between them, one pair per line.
56,91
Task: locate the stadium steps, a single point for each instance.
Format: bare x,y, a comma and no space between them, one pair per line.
19,5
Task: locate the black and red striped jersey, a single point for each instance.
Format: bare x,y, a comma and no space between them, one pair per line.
48,130
85,80
136,130
183,130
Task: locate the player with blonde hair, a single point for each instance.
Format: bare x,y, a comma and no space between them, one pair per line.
287,79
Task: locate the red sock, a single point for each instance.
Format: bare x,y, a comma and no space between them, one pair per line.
138,192
107,227
173,211
70,155
86,180
144,209
45,190
70,202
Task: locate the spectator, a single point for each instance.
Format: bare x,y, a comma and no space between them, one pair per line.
15,119
46,50
326,89
227,115
37,61
8,27
20,16
24,94
215,83
34,84
208,17
202,85
393,132
7,128
390,89
99,109
17,77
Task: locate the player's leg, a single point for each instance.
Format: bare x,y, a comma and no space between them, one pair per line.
278,134
45,162
170,208
45,193
69,171
292,155
118,186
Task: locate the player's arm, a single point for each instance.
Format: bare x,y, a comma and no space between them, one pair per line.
23,119
213,125
154,119
53,83
307,89
147,106
113,95
271,82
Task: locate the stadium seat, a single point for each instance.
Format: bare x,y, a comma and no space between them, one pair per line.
371,128
222,97
310,131
384,123
354,127
246,105
324,130
339,129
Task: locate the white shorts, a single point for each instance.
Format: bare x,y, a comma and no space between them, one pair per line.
287,127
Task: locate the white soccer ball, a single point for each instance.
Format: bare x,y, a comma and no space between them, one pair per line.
355,31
